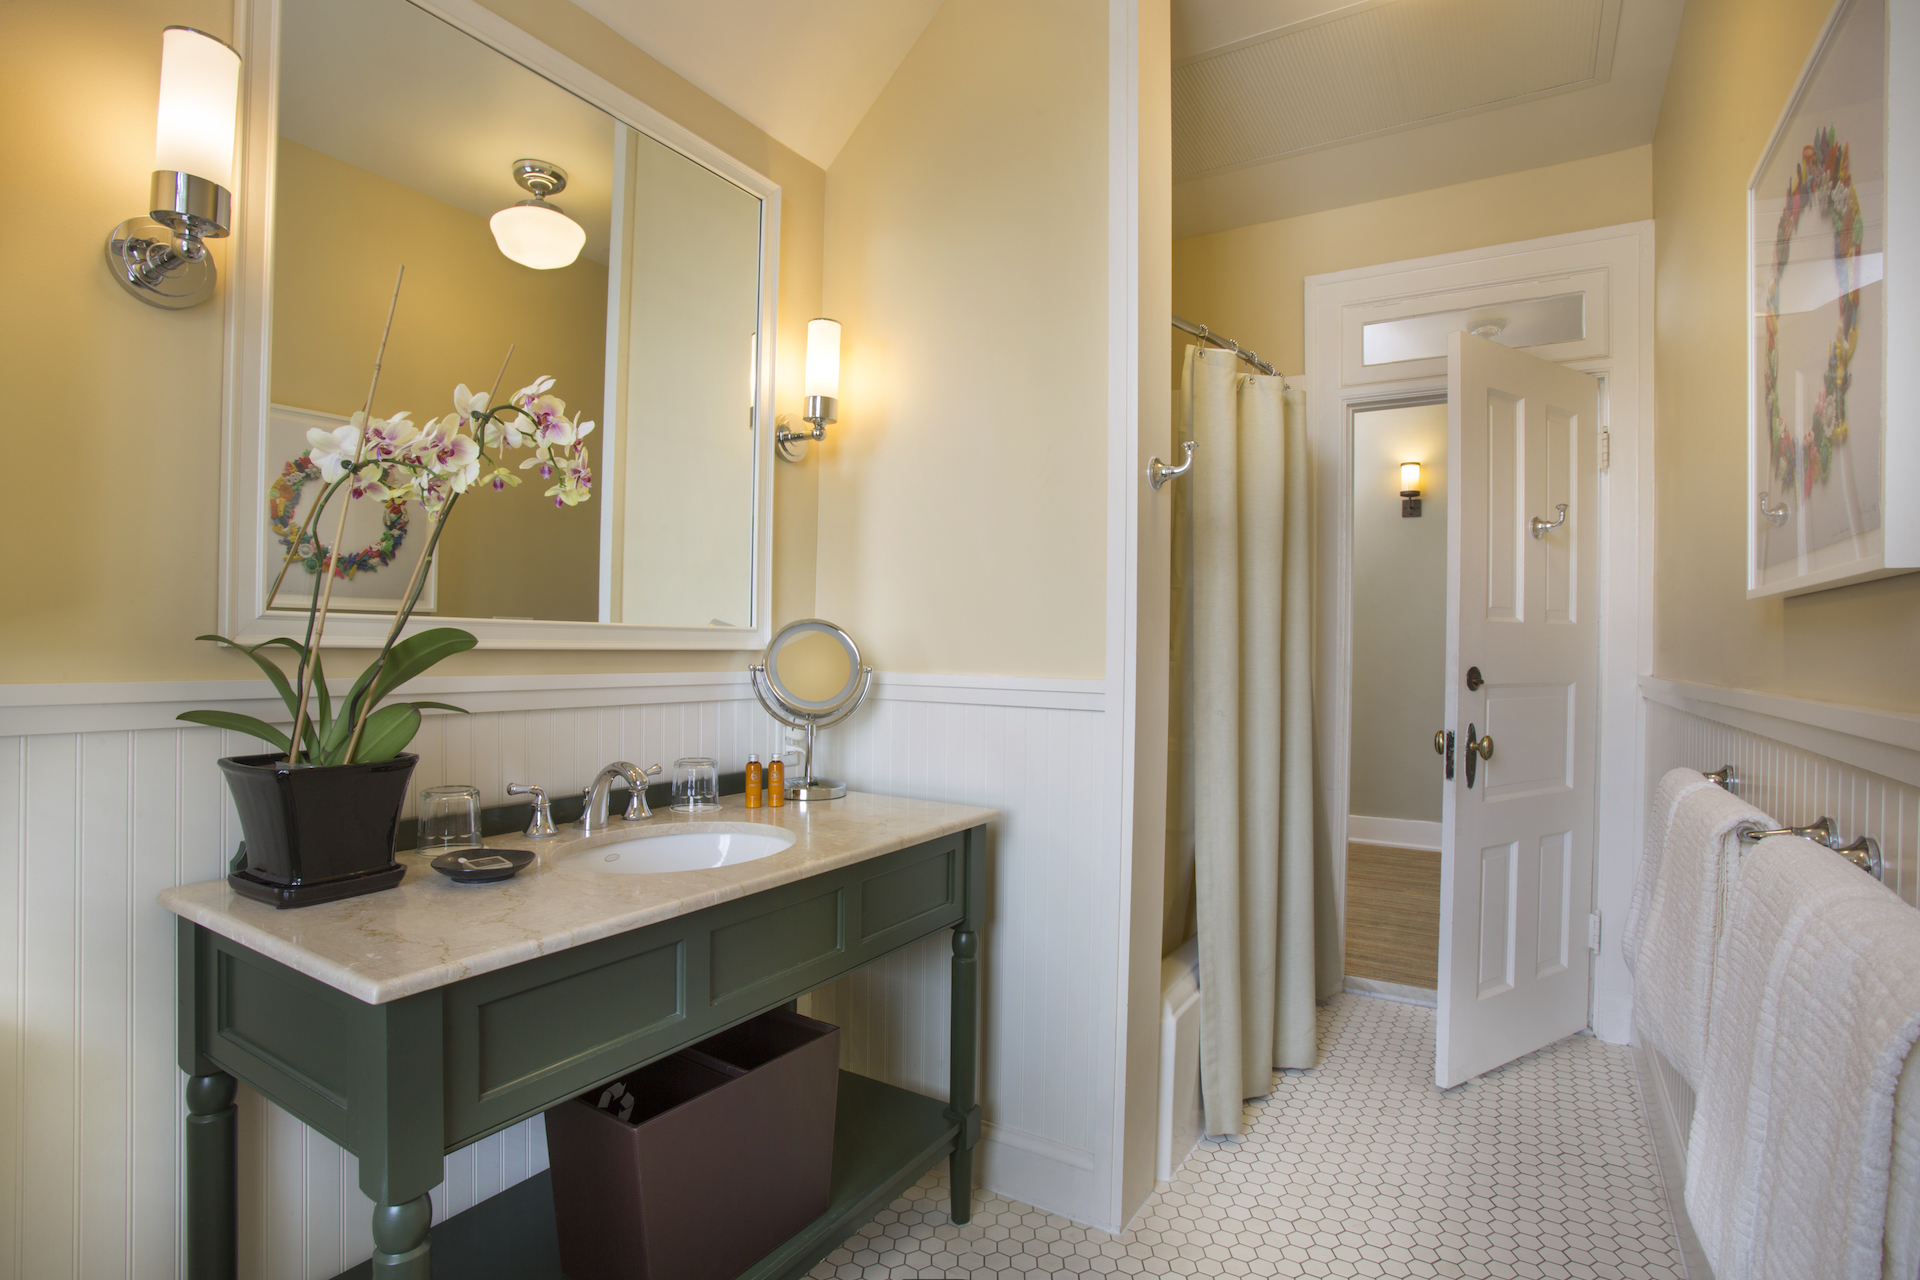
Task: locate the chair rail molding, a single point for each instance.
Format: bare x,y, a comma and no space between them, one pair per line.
1882,742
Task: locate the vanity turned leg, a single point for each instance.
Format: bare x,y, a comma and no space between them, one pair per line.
213,1129
961,1107
401,1250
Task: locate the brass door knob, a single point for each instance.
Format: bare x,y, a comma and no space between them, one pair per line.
1482,744
1439,742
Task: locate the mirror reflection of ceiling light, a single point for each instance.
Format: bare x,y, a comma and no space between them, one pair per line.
534,233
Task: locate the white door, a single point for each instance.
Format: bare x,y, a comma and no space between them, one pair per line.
1516,875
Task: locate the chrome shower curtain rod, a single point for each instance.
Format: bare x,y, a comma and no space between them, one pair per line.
1201,332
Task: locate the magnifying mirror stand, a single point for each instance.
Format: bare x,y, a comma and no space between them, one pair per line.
807,787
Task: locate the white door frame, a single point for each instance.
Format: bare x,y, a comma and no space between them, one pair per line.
1618,263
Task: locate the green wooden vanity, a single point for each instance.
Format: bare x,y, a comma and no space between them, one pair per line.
401,1083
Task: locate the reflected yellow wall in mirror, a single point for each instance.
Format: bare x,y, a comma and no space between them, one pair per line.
511,554
813,666
111,553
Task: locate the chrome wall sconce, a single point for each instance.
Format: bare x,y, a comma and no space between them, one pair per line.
1409,490
161,258
534,233
823,389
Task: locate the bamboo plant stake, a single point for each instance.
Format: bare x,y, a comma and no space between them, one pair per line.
412,592
339,532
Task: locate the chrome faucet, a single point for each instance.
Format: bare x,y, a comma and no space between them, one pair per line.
593,816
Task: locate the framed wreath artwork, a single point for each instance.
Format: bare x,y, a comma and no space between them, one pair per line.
384,540
1818,351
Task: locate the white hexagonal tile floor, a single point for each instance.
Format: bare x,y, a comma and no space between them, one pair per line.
1542,1169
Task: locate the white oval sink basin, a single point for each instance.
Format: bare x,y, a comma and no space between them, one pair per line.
716,846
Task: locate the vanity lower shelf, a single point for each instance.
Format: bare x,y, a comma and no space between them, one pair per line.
884,1140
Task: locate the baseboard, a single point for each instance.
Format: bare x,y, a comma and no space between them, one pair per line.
1668,1107
1050,1176
1393,833
1392,991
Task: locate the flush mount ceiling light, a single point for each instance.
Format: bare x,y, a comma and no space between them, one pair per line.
162,259
534,233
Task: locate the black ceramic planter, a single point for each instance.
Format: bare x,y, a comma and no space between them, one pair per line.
317,833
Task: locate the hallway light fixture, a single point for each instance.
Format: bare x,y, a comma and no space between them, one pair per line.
1409,489
162,259
533,233
822,386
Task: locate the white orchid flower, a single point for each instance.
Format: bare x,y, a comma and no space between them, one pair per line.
468,404
388,438
331,451
370,483
512,433
526,394
576,482
581,430
457,458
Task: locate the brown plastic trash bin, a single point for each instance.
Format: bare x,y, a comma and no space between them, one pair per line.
696,1166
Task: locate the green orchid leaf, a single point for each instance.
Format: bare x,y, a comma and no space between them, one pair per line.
239,724
417,653
388,732
322,699
440,706
268,666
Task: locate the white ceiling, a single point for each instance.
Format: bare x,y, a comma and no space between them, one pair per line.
804,72
1288,107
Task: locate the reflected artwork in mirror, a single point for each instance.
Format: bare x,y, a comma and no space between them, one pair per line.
400,139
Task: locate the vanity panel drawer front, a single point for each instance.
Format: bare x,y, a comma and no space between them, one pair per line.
531,1031
776,943
282,1032
914,894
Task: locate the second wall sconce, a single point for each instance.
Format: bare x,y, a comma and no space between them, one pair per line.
1409,489
162,259
823,389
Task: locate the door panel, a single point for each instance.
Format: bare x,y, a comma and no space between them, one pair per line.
1517,849
1532,727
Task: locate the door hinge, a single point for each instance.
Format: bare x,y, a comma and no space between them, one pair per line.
1593,932
1606,449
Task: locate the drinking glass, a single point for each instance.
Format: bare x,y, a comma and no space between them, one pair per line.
449,818
696,785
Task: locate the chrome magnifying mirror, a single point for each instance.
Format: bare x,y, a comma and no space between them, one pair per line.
810,678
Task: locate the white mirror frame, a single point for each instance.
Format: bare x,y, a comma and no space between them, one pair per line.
249,312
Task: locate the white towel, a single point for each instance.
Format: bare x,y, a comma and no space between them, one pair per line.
1791,1156
1693,851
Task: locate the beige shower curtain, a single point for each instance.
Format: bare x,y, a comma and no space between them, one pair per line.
1241,790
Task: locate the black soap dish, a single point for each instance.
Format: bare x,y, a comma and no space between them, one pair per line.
486,864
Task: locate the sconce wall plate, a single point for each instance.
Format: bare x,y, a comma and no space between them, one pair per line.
141,256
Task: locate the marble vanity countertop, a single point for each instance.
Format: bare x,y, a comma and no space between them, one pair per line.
431,931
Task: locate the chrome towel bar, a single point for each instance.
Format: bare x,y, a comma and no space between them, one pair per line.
1863,853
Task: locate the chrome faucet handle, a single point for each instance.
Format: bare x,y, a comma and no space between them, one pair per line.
540,827
637,807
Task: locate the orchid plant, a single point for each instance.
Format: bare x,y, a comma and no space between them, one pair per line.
387,459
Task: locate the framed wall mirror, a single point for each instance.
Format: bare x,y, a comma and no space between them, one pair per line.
382,133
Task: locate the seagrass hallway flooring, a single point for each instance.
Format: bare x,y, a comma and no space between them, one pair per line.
1393,915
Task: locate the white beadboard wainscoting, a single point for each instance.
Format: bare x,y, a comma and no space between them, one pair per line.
1796,760
105,801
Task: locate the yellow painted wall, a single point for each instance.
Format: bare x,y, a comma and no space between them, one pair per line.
1734,66
463,303
1248,283
109,536
963,492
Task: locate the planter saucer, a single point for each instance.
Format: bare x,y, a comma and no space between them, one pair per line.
448,865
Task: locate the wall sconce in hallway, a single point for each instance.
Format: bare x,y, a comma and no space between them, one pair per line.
162,259
1409,489
823,389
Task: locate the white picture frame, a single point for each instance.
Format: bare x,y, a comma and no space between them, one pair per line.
1832,448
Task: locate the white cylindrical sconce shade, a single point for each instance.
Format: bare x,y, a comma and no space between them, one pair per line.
1409,475
823,358
199,105
535,234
